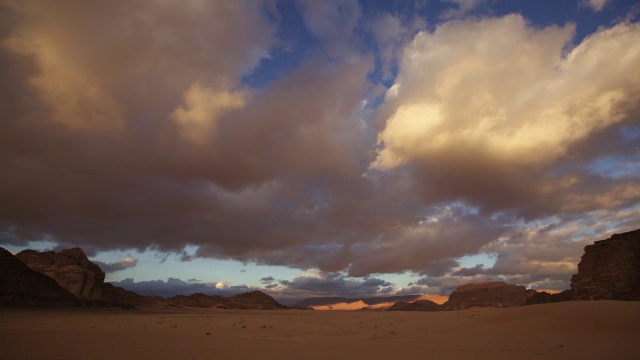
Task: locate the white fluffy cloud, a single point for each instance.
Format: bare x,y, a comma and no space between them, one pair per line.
595,5
122,264
203,108
503,91
502,102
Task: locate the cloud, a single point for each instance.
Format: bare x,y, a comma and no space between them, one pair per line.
203,107
460,8
333,22
392,32
267,280
595,5
330,284
123,264
173,286
129,126
472,103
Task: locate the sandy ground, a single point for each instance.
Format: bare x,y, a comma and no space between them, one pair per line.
573,330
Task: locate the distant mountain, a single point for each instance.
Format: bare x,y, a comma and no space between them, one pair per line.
256,300
419,305
114,294
324,301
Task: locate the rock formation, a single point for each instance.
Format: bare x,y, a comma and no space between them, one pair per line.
487,294
20,285
70,268
609,269
420,305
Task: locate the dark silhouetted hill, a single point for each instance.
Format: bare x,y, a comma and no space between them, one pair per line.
20,285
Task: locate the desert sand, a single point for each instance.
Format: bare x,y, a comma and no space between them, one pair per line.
569,330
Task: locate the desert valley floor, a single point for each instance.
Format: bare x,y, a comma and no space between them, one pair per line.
567,330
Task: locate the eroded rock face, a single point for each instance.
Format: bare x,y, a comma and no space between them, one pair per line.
488,294
20,285
609,269
70,268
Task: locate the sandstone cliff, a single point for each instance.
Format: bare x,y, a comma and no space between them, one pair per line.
488,294
20,285
609,269
70,268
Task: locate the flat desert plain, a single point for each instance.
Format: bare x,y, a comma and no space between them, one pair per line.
570,330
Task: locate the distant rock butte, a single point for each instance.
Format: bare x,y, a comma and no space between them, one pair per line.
70,268
609,269
488,294
419,305
20,285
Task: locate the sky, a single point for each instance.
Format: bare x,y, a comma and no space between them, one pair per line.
320,148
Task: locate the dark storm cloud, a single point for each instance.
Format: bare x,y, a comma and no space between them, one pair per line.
267,280
330,284
127,125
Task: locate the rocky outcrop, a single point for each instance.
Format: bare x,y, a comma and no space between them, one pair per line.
488,294
20,285
420,305
70,268
609,269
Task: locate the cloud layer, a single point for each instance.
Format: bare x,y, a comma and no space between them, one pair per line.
132,126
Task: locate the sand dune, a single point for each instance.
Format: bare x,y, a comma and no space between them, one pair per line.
585,330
